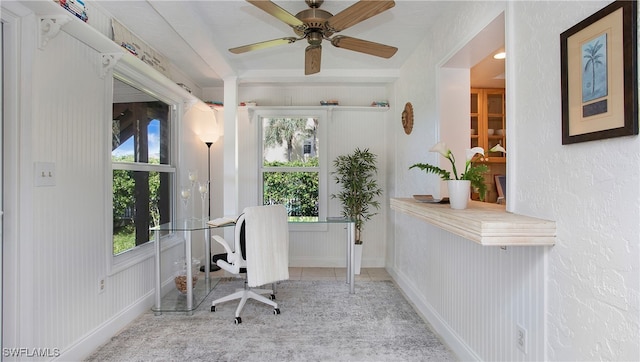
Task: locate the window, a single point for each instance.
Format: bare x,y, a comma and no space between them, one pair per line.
141,162
292,168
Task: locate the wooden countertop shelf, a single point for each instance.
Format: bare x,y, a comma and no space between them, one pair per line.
485,223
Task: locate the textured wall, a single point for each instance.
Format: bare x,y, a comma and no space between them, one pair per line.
588,309
590,189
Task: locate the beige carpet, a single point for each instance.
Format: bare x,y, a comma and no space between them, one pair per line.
319,321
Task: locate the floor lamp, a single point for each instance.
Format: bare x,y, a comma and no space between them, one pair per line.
208,140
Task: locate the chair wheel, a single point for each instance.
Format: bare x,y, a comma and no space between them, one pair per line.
273,297
213,308
238,320
276,311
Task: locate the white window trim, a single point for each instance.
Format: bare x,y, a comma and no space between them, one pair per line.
148,167
149,81
323,117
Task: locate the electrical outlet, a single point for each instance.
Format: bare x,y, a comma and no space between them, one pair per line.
521,338
101,286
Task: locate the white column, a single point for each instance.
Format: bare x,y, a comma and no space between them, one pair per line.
230,171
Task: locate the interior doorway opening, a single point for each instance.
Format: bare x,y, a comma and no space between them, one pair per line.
472,90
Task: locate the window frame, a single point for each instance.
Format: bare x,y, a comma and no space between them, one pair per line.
146,80
323,199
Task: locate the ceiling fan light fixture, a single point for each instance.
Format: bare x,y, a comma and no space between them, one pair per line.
314,38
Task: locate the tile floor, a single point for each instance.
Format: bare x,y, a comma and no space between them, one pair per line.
296,273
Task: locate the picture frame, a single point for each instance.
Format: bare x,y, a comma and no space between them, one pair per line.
599,75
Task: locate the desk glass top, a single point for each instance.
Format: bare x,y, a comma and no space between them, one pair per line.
326,220
187,225
201,224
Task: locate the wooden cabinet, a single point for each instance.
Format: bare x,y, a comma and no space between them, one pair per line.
488,122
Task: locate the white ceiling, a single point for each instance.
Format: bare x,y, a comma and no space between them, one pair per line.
196,35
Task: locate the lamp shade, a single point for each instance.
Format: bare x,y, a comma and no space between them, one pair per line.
209,137
203,122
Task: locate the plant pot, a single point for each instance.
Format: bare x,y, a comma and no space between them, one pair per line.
358,259
459,191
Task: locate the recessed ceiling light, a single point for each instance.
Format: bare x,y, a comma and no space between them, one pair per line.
500,55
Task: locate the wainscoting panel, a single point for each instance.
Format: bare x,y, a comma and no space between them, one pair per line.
319,248
476,296
62,303
68,239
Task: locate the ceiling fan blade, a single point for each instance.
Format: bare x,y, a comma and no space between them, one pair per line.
312,56
364,46
360,11
278,12
262,45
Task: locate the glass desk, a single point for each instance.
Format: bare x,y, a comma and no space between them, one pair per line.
351,237
176,302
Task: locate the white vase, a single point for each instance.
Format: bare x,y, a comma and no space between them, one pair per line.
459,191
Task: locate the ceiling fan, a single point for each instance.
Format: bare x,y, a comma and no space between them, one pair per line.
315,25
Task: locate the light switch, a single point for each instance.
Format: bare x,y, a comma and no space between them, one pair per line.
44,174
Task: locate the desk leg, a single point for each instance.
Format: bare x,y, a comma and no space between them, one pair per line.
187,253
207,253
351,270
158,290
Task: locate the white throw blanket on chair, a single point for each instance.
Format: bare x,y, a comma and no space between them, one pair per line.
267,244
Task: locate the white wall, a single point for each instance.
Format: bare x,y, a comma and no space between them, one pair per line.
59,245
578,300
590,189
347,130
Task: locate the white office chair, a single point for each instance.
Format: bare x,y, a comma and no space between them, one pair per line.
261,252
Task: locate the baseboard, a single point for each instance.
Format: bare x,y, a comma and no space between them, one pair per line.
441,327
83,347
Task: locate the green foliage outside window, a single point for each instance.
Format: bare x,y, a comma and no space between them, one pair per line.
297,190
124,212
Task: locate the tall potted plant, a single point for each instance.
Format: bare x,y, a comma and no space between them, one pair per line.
356,173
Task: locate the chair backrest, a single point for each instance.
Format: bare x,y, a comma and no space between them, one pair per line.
267,244
240,242
241,237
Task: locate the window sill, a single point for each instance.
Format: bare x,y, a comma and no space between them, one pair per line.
486,224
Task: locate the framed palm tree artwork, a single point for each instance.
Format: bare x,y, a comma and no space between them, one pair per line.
599,75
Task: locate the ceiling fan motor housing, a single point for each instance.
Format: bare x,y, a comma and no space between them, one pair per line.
314,24
314,3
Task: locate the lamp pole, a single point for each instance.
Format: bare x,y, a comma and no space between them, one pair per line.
212,266
209,174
